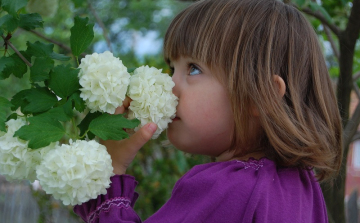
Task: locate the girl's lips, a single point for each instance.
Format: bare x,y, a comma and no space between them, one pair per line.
176,119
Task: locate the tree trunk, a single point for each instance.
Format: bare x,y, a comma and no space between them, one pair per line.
334,192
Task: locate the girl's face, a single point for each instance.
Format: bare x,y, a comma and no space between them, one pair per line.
204,121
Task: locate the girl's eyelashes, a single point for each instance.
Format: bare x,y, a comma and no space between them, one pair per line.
194,70
171,71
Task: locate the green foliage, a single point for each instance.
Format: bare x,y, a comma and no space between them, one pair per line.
41,68
5,62
17,67
12,6
316,7
84,125
112,126
4,110
9,23
30,21
38,100
47,93
82,35
64,80
41,132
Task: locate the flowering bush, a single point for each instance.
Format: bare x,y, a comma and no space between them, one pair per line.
17,161
104,80
14,156
37,119
77,172
152,98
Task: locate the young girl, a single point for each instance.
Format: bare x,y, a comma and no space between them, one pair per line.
254,92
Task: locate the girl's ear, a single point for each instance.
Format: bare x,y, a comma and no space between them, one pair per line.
281,88
280,84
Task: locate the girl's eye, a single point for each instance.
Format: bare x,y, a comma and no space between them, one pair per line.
194,70
171,71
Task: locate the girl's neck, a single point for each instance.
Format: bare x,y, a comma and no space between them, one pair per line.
230,155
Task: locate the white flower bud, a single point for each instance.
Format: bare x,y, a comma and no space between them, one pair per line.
104,80
77,172
152,98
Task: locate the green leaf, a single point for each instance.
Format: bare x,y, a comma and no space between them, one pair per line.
19,100
84,124
64,80
111,127
9,22
39,49
41,132
41,69
4,62
12,6
18,68
30,21
12,116
79,103
4,110
40,100
57,113
68,108
57,56
82,34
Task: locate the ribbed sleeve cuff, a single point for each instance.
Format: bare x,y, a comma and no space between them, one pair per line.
121,193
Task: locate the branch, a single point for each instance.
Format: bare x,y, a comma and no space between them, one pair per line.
351,127
16,51
336,30
332,42
353,27
61,45
101,24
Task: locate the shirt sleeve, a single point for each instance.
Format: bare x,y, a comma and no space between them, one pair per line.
115,206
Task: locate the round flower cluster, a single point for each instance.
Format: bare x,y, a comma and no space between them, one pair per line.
77,172
152,98
46,8
17,161
104,80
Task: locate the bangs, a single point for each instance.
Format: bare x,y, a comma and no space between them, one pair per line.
200,34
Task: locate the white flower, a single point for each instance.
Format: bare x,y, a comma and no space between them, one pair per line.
17,161
77,172
152,98
104,80
46,8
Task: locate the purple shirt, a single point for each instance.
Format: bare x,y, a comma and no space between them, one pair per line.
232,191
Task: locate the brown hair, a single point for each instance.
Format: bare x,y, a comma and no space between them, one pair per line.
251,40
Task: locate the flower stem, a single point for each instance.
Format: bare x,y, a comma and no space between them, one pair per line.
77,61
76,134
84,134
